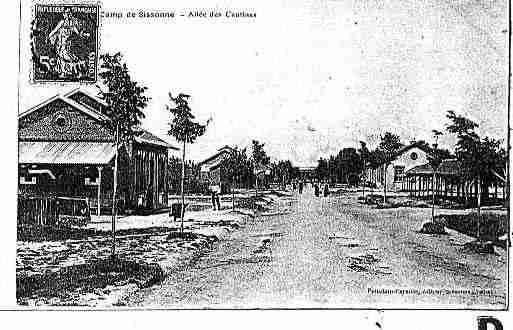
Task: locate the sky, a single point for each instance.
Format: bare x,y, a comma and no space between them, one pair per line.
311,77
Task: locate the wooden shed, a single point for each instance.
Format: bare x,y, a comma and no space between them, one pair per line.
67,149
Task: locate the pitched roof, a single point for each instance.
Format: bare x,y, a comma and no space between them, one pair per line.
226,148
89,100
91,96
219,155
150,138
404,149
214,163
411,146
56,152
447,167
146,137
79,106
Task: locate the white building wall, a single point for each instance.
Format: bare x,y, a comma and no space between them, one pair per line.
407,160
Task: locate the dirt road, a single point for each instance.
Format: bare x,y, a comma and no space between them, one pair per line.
334,252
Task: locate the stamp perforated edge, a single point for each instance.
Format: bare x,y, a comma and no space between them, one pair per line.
99,5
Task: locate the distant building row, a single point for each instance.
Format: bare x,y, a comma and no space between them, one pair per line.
409,171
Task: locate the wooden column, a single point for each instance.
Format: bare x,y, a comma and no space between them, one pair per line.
135,155
426,188
99,191
432,187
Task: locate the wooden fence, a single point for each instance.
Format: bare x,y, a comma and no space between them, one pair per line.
40,211
48,211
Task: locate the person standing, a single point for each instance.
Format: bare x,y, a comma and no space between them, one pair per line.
214,196
316,189
218,203
213,199
326,191
300,187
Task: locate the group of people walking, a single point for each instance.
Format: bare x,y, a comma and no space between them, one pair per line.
300,185
317,188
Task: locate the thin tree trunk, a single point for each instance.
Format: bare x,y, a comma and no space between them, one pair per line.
256,194
385,184
478,205
182,183
363,187
433,199
114,196
233,195
506,188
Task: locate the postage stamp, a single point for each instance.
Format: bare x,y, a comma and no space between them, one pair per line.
65,43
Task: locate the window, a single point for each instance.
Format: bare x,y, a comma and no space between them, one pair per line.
398,173
414,156
61,121
28,180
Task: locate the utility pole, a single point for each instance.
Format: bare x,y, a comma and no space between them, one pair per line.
435,163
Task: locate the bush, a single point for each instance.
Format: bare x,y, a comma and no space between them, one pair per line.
433,228
491,225
479,247
189,236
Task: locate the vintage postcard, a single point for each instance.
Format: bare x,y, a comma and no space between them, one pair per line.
277,155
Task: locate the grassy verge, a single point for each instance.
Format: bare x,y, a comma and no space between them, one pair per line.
42,234
491,226
93,275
